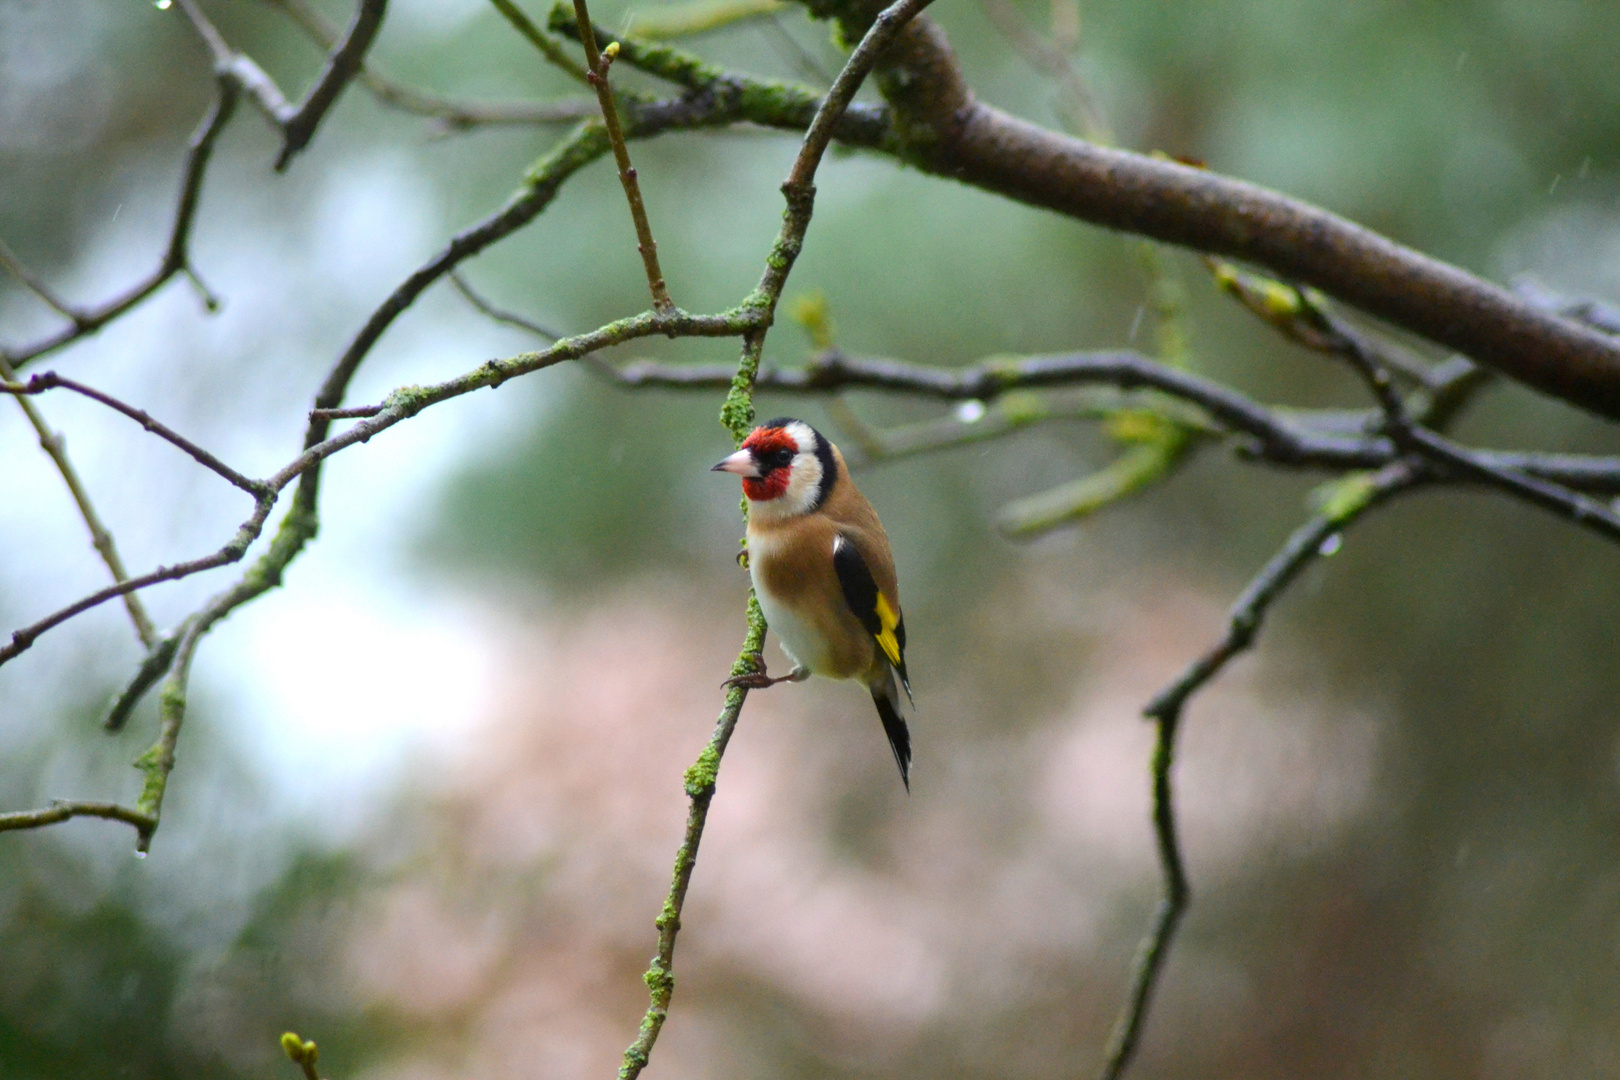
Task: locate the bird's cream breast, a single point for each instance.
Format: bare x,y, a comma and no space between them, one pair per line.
802,601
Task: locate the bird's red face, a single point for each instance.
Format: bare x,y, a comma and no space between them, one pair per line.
772,450
786,468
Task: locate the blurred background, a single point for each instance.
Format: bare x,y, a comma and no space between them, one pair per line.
428,793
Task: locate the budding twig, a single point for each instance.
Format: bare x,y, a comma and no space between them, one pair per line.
599,61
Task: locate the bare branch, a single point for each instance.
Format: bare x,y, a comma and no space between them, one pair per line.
1165,710
341,67
453,114
1410,438
50,380
297,123
498,314
358,412
100,537
249,531
598,64
549,47
62,810
34,283
955,136
656,23
175,258
240,69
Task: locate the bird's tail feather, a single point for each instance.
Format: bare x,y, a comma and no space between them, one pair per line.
887,699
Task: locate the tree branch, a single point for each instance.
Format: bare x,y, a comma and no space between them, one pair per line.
737,414
1301,315
1165,710
700,784
342,66
548,46
943,129
598,64
500,315
50,380
175,258
101,538
453,114
62,809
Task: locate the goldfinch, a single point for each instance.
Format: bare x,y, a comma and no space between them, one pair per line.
822,570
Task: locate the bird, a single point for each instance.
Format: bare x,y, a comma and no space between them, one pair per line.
822,570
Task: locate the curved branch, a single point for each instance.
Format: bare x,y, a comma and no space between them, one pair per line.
1165,710
50,380
946,131
175,260
63,809
101,538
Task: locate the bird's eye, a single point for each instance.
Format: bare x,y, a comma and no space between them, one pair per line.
777,459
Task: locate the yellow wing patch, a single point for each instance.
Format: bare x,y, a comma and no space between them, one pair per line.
886,640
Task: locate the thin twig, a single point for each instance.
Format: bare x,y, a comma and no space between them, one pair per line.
63,809
453,114
153,667
598,64
1408,436
50,380
1085,115
356,413
233,550
175,258
700,784
665,21
1165,710
34,283
240,69
500,315
549,46
101,537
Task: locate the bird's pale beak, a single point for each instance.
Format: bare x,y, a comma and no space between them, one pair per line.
742,463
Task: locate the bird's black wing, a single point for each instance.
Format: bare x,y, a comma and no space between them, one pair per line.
870,606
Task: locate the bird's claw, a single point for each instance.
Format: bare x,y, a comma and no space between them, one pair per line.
752,680
759,680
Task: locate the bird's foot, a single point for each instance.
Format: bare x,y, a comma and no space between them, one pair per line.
759,680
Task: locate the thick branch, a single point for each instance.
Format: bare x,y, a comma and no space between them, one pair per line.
946,131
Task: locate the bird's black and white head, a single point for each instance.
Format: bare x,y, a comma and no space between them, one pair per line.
787,469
